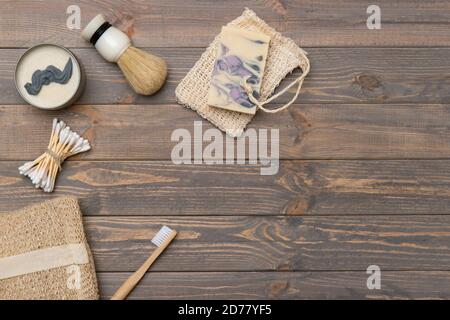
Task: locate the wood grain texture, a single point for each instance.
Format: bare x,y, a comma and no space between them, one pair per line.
237,243
300,188
338,75
281,285
138,132
365,180
189,23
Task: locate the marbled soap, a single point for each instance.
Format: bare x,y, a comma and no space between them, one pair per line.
241,57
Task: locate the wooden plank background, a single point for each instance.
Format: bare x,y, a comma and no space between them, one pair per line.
282,285
364,175
338,76
191,23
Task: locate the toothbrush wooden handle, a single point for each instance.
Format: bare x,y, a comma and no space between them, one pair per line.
134,279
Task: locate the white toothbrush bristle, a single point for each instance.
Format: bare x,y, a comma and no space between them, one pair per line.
162,235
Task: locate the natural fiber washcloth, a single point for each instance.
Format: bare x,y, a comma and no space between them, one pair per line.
44,253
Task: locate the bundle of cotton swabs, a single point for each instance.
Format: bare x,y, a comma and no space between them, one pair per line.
63,144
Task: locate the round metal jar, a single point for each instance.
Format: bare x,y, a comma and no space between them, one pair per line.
52,96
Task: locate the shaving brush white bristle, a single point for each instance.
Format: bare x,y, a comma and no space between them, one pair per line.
145,72
63,144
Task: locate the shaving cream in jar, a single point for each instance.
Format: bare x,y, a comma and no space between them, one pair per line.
49,77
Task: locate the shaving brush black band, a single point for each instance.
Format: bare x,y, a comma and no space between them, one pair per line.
100,31
145,72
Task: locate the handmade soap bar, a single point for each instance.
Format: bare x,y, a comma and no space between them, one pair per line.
241,58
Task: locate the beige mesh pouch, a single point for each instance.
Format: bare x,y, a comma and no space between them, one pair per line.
44,254
284,56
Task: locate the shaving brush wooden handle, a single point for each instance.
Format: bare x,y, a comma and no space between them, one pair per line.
145,72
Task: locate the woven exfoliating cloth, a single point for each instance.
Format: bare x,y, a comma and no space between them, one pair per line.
44,253
283,57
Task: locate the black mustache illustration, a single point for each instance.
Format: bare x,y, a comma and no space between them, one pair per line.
47,76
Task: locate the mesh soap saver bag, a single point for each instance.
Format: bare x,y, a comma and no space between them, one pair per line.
284,56
44,253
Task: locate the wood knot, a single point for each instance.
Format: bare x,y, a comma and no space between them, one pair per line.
276,288
301,124
277,6
125,22
371,86
297,207
367,81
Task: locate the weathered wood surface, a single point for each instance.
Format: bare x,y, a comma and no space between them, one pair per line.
138,132
240,243
338,75
337,206
161,23
281,285
300,188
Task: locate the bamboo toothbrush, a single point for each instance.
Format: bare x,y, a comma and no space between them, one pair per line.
162,239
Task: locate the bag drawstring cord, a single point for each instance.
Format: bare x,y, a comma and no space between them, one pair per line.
260,104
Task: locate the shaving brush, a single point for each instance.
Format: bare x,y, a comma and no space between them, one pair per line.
145,72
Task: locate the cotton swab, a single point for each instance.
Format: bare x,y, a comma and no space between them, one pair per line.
63,144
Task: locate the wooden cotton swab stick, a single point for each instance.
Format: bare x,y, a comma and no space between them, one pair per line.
63,144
